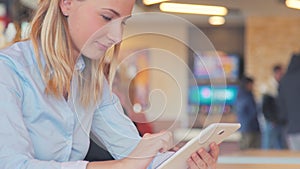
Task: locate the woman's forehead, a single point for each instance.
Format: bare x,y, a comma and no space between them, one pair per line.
122,7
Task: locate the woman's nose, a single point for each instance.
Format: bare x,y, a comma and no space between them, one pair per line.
115,32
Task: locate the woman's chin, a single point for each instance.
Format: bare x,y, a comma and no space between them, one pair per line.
94,54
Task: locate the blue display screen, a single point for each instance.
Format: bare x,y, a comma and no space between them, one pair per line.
207,95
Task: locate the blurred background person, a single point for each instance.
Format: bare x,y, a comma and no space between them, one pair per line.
273,128
289,93
247,115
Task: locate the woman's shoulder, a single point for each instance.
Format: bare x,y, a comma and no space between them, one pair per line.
19,54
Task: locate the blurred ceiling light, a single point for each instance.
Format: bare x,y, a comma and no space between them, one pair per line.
193,9
151,2
293,4
216,20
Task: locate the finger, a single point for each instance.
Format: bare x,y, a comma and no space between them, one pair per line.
168,140
191,164
206,157
146,135
198,161
164,146
162,131
162,141
152,136
175,148
215,150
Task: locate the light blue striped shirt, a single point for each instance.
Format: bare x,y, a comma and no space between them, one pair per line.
39,131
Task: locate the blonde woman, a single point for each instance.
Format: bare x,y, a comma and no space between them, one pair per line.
51,99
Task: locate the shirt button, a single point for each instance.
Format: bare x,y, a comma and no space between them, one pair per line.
69,142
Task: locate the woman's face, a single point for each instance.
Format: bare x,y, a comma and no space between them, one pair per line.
95,25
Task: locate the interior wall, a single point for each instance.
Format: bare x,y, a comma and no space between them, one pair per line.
227,39
269,40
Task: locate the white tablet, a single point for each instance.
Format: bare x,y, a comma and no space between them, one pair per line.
215,132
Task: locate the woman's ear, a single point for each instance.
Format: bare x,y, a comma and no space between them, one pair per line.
65,6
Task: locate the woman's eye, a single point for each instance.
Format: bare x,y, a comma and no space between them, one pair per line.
106,18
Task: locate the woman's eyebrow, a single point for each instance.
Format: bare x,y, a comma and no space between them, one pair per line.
113,11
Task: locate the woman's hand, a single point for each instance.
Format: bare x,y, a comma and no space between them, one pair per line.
147,149
142,155
204,160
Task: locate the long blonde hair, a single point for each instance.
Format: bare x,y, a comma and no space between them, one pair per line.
49,35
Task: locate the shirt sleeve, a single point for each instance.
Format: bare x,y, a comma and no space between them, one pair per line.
74,165
113,128
116,131
16,149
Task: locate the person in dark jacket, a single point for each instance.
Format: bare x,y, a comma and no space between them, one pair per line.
273,133
289,93
247,115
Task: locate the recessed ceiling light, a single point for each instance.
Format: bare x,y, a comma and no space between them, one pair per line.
151,2
193,9
293,4
216,20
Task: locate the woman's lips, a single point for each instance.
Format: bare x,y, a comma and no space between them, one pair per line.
101,46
